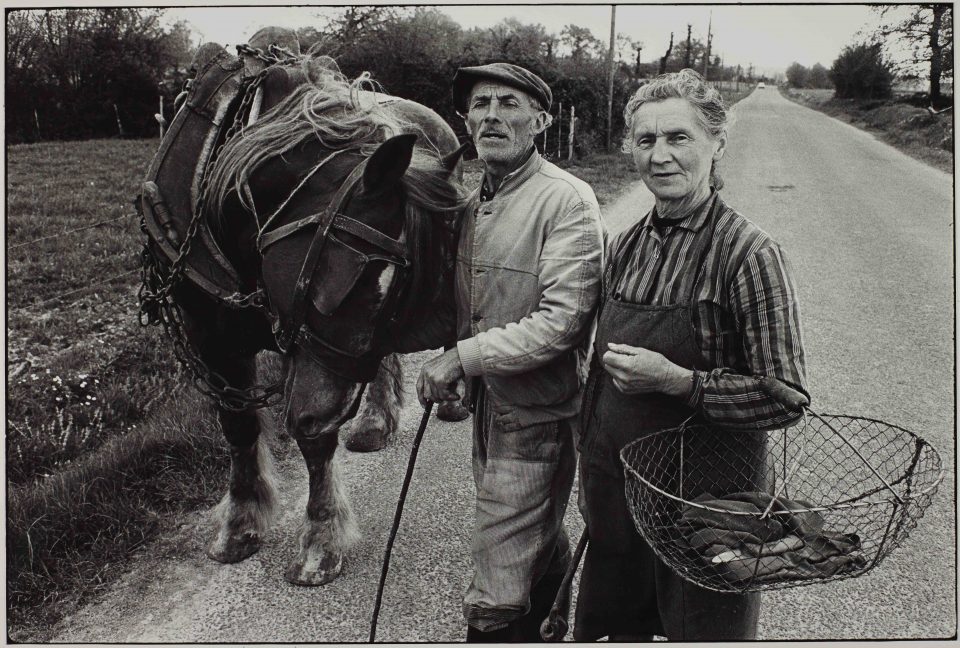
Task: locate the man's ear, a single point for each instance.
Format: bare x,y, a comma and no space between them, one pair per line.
540,124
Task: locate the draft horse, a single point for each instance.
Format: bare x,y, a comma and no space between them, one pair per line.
307,214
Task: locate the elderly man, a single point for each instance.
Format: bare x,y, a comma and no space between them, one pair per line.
528,279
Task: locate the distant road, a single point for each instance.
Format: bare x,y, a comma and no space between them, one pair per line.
869,233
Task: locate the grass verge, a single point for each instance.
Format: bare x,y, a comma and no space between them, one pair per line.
911,129
69,535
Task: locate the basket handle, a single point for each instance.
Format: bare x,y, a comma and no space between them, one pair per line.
788,477
862,458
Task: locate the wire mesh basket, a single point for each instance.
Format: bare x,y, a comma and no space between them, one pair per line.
737,511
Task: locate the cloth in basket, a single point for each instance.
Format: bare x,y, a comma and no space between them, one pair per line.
732,537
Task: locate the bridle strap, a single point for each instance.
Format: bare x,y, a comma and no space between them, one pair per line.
299,186
288,333
342,223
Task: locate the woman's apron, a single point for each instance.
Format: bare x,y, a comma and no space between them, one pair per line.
625,590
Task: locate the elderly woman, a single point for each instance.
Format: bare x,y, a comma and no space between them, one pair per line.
698,314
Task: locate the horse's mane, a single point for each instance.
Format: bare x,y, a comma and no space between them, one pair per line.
330,109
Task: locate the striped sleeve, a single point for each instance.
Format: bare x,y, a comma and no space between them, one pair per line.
767,314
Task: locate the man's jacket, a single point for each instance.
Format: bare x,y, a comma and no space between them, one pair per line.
527,286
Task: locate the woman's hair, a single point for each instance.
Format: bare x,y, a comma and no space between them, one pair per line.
686,84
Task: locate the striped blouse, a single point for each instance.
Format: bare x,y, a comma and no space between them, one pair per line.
745,308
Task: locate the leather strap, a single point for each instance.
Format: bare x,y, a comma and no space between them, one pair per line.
288,333
342,223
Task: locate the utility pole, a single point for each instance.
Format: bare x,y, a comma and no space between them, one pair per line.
612,64
706,57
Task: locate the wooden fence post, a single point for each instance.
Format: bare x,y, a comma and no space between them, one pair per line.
546,131
162,121
560,131
119,124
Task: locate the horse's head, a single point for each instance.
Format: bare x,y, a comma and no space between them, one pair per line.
355,209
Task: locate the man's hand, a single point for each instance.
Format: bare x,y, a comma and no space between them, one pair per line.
636,370
438,378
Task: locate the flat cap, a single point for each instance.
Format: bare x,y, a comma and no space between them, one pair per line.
506,73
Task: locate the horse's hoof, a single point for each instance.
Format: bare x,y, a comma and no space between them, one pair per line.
309,571
234,549
366,440
452,411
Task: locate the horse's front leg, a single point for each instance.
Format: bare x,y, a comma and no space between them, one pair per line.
376,422
247,509
319,403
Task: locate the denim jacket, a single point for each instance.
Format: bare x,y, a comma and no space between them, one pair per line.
528,278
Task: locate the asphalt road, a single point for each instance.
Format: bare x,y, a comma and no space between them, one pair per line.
869,232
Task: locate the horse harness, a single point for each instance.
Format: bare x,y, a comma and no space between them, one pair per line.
183,245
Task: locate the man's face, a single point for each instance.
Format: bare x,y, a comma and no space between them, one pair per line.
502,122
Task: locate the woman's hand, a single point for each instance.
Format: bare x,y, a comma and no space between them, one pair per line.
636,370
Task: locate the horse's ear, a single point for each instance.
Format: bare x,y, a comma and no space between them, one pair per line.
449,162
389,162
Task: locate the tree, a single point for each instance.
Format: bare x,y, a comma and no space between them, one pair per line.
818,77
797,75
581,42
860,72
928,30
666,55
76,73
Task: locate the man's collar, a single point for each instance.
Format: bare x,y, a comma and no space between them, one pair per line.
692,221
516,176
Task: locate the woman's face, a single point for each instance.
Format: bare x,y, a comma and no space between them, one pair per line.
672,151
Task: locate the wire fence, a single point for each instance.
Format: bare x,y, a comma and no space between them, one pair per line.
85,289
71,231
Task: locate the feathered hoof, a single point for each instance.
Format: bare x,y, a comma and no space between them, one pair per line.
312,570
367,439
232,549
452,411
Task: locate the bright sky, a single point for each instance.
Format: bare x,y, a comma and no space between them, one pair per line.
770,37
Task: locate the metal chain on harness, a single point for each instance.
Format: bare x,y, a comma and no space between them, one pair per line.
158,307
